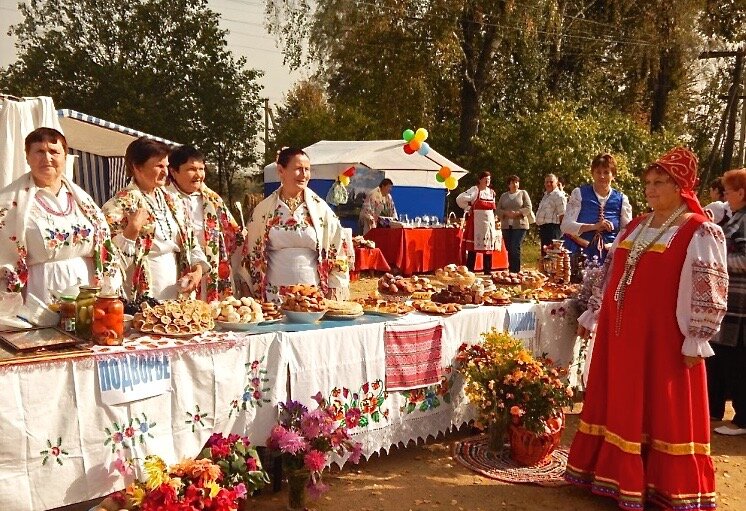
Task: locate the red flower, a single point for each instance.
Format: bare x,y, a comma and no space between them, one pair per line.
129,432
224,270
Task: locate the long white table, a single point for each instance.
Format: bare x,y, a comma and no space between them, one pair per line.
63,422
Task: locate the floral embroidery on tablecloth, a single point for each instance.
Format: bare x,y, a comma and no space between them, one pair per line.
55,451
430,397
255,392
126,433
359,409
196,418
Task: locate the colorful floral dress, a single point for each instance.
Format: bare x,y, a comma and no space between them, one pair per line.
219,236
644,433
480,234
376,205
164,250
50,242
307,246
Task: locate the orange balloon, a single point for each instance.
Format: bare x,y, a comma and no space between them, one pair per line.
444,172
415,144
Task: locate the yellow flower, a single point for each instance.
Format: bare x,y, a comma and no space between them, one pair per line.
135,494
213,487
155,467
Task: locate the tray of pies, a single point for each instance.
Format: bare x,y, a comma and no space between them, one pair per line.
176,318
302,298
455,275
462,295
246,310
436,309
527,279
496,298
341,310
423,288
378,307
395,288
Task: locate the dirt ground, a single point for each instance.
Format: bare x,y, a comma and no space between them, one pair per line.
426,476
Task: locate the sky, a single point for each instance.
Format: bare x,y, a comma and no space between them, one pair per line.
244,19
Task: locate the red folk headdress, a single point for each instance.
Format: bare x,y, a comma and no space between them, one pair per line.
681,164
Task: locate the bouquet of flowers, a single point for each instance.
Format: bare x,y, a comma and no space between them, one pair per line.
188,485
238,462
307,438
506,382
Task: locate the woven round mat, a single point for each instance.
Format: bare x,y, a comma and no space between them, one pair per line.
474,455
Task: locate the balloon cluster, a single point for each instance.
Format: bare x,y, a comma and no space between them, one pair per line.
344,177
415,141
444,176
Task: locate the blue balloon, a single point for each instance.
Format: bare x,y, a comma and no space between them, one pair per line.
424,149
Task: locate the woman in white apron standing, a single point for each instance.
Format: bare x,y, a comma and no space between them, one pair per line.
481,235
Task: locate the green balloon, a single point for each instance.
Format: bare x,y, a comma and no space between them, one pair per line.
439,178
407,135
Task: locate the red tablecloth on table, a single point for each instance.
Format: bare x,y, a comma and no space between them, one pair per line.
423,250
370,259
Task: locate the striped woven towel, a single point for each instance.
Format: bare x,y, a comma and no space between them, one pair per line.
412,355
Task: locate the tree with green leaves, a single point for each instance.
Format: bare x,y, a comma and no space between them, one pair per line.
161,66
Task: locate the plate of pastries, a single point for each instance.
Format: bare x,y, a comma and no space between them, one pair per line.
380,307
436,309
395,288
174,318
303,303
244,313
456,275
337,309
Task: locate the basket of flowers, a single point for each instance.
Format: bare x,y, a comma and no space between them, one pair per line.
517,395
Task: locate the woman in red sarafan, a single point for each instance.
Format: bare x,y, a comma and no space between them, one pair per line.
644,434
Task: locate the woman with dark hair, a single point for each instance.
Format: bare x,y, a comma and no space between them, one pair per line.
295,238
214,227
725,369
54,236
152,229
718,210
516,213
596,212
378,203
481,234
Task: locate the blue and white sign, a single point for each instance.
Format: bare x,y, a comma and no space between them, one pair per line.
133,377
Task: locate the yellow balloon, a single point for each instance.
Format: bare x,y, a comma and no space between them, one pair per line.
451,182
344,180
420,135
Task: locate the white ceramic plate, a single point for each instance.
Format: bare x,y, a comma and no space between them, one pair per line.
303,317
342,317
470,305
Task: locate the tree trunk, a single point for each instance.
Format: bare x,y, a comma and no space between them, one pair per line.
470,99
663,86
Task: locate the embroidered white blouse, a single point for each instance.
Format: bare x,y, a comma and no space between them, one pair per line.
705,265
60,248
570,222
291,250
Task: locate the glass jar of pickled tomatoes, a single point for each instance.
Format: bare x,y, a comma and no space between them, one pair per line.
108,320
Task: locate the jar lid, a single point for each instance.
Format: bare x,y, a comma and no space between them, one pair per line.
90,288
110,295
66,298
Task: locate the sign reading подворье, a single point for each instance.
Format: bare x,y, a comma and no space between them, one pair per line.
133,377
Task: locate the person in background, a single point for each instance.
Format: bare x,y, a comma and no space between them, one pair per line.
151,227
515,213
596,212
54,235
718,210
550,212
725,369
481,235
561,185
214,227
295,238
378,203
644,432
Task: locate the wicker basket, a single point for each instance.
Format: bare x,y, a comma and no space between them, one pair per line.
528,448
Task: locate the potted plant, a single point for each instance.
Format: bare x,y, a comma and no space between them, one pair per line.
515,394
238,462
306,439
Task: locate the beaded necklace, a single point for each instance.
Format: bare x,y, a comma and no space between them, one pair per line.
293,202
639,247
51,210
159,210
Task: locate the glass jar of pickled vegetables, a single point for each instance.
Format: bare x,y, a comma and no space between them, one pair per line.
84,304
68,313
108,320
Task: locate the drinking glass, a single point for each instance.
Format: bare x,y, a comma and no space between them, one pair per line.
417,221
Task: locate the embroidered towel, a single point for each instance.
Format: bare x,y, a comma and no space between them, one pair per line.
412,355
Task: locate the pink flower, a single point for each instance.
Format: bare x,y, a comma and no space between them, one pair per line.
356,452
316,489
122,465
292,442
352,417
240,490
314,460
251,464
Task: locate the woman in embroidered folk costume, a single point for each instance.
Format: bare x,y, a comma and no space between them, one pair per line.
214,227
725,369
481,234
378,203
295,238
151,228
596,212
644,434
52,234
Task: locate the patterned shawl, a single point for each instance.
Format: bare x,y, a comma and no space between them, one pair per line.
222,238
131,198
331,245
16,200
